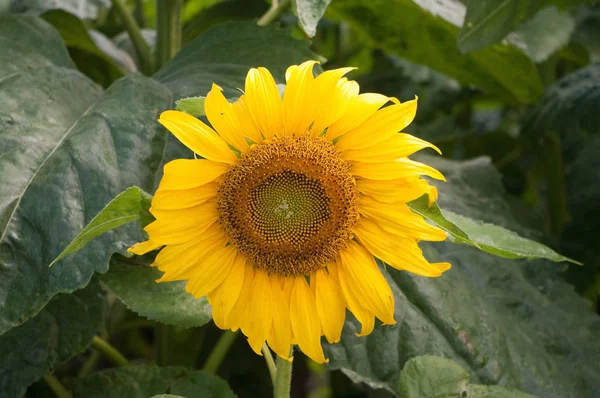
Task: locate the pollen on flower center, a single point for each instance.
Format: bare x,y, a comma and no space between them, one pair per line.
289,205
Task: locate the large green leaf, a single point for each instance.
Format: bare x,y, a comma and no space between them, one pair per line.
570,104
67,149
62,329
425,32
489,21
66,152
224,54
518,325
309,13
135,285
436,377
81,8
146,381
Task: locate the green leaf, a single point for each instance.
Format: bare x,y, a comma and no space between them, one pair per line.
426,33
167,396
487,22
82,158
83,50
84,9
168,302
146,381
224,54
64,328
518,325
570,104
130,205
309,13
537,41
436,377
192,105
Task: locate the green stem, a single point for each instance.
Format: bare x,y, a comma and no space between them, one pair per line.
219,351
57,388
283,379
277,8
270,362
555,179
110,352
89,365
168,30
161,344
142,49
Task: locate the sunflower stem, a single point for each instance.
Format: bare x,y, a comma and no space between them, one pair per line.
142,49
558,210
270,362
161,344
283,378
277,8
110,352
218,353
168,30
57,388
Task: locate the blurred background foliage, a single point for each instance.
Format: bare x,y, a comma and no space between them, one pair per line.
517,81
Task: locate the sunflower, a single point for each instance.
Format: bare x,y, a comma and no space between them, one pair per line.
295,195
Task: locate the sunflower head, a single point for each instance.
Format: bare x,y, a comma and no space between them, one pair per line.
280,222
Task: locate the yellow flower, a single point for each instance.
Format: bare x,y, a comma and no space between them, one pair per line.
279,224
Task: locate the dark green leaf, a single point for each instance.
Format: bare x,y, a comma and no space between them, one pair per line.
224,54
309,13
146,381
518,325
436,377
570,104
167,396
67,150
163,302
62,329
489,21
426,32
81,8
539,42
87,56
130,205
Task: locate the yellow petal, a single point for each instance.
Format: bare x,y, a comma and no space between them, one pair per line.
211,271
224,120
382,125
365,317
259,311
397,251
236,316
185,218
182,199
305,321
190,173
298,103
197,136
280,336
185,229
331,305
223,298
397,146
397,218
144,247
360,109
264,102
243,114
394,191
338,102
400,168
366,283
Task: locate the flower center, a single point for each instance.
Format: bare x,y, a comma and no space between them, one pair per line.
289,205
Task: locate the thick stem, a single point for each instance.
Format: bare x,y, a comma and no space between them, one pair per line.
270,362
283,379
142,49
57,388
558,210
161,344
277,8
110,352
168,30
218,353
